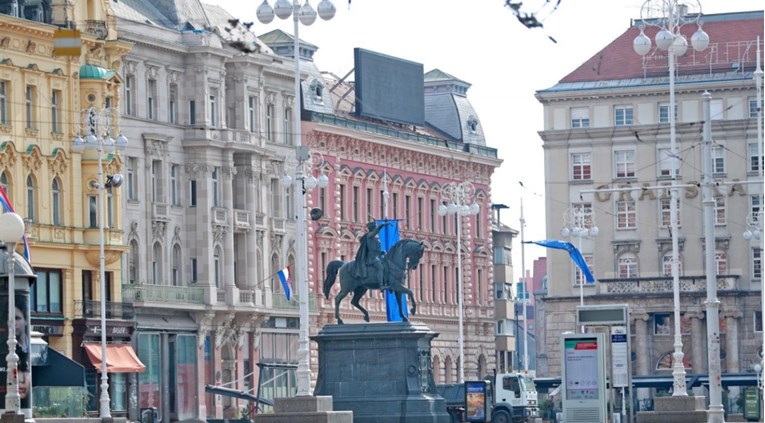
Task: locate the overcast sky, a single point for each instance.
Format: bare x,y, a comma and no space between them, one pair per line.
481,42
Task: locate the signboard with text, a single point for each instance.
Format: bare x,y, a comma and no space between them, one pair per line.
584,376
620,357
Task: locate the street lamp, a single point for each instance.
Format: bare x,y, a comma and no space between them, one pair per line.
458,199
669,16
579,222
99,125
305,15
11,231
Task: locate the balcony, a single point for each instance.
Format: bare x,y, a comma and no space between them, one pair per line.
241,220
219,216
97,28
278,225
504,308
159,211
163,294
92,309
280,302
663,285
260,221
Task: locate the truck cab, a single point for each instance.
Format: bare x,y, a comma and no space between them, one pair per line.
516,394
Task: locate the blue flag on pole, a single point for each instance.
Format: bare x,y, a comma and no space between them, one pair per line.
575,254
389,235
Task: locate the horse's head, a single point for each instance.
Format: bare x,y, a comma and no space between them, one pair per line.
416,254
406,252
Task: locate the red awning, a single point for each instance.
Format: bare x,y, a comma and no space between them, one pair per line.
120,358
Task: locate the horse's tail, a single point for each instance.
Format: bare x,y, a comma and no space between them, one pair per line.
332,269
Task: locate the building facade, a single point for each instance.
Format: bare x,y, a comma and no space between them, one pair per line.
54,188
209,221
606,127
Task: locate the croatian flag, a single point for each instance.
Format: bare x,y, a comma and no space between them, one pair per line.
5,204
284,276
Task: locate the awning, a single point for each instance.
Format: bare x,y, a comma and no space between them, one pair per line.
120,358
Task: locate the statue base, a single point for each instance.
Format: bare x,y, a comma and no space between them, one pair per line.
380,371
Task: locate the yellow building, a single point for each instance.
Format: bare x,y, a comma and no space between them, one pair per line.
50,186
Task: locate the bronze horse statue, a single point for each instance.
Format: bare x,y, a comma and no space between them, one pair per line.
403,255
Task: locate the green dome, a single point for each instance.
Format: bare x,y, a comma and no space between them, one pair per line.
95,72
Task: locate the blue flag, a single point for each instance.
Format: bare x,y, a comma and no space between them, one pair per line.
389,235
576,256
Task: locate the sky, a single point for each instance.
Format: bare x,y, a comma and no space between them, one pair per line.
481,42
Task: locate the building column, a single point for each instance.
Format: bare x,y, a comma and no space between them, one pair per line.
164,376
732,362
229,275
642,351
698,350
251,204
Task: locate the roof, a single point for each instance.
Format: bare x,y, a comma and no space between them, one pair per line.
729,35
95,72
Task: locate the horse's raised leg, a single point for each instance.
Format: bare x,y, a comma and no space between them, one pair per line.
338,298
357,294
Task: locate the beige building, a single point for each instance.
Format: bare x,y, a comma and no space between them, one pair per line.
606,127
51,186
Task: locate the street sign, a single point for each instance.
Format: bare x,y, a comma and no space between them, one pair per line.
620,357
67,42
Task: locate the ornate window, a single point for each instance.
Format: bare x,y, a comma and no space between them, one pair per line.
31,199
177,280
133,262
156,264
628,266
56,201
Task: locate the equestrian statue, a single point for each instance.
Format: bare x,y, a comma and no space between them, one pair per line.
373,270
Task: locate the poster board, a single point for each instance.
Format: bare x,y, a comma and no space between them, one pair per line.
477,403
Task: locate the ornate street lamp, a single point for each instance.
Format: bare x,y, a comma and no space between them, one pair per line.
99,125
458,199
306,15
670,16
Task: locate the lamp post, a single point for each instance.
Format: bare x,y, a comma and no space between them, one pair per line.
307,16
525,294
455,199
11,231
669,16
579,221
99,125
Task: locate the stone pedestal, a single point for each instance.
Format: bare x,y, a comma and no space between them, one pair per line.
380,371
316,409
687,409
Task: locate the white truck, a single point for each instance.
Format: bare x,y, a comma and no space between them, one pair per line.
513,399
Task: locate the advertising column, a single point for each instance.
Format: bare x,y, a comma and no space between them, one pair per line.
23,277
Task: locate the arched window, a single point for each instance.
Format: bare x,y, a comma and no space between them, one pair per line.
177,265
5,183
156,264
482,369
216,266
628,266
436,369
133,262
56,201
721,262
448,376
31,206
666,265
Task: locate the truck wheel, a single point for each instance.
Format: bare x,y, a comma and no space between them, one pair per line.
501,416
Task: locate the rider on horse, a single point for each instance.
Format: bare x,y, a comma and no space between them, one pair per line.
370,254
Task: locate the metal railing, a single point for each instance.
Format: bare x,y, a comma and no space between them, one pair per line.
114,310
664,284
163,293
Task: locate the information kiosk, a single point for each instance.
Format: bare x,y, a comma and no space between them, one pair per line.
584,377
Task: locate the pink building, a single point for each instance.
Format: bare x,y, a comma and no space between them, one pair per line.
363,159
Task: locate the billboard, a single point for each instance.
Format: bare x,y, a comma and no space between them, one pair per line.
389,88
